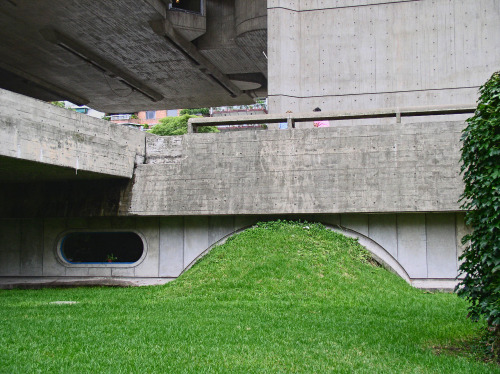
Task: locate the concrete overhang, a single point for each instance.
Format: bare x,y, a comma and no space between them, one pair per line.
39,141
107,56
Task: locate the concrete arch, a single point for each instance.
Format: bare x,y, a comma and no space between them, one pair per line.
379,254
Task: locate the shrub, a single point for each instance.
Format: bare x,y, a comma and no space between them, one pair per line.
481,200
197,111
177,126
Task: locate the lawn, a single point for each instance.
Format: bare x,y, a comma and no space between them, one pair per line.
277,298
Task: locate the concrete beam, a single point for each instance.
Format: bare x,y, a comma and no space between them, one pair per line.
84,53
36,134
50,87
166,29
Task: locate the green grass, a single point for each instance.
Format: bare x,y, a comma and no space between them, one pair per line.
278,298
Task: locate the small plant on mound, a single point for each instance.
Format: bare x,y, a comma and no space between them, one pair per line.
481,200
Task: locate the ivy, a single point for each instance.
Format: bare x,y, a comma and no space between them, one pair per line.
481,200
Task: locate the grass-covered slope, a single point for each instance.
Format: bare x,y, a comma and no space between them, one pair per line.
277,298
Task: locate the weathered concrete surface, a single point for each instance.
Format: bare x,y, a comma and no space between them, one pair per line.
117,35
422,248
371,54
380,168
41,141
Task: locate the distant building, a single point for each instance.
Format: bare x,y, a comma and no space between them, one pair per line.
143,119
146,119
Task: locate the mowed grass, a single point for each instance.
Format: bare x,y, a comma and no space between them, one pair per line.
277,298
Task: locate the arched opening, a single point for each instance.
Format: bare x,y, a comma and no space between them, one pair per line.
379,254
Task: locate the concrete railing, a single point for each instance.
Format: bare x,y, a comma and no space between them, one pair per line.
292,118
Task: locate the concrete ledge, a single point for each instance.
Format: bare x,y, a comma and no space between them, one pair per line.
36,131
446,285
9,283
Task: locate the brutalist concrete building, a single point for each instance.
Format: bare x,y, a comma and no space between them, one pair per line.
83,200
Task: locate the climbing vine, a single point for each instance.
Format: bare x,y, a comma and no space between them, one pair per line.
481,200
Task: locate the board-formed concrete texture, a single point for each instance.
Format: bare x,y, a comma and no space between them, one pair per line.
175,243
42,141
371,54
111,56
380,168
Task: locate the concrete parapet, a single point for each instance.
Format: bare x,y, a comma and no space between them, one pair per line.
33,131
352,169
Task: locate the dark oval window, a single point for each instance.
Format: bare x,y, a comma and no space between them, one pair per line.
102,247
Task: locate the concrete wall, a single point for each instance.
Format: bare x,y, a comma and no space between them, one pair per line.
29,247
425,245
354,169
36,131
370,54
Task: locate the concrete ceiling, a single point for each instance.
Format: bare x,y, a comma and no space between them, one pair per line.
129,55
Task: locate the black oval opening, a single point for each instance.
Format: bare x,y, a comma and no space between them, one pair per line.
102,247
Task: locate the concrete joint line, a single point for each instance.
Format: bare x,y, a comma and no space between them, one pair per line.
107,68
343,7
375,93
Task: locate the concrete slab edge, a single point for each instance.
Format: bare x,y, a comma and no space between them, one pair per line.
9,283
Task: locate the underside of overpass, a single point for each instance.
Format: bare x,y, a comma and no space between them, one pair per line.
129,55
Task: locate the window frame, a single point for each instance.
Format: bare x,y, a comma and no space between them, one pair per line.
61,259
171,6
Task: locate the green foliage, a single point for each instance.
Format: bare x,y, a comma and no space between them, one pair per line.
177,126
481,200
196,112
111,258
60,104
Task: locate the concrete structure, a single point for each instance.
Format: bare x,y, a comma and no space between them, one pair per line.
351,169
123,56
372,54
393,186
42,141
421,248
392,181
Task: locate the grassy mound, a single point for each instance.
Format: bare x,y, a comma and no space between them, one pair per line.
279,297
